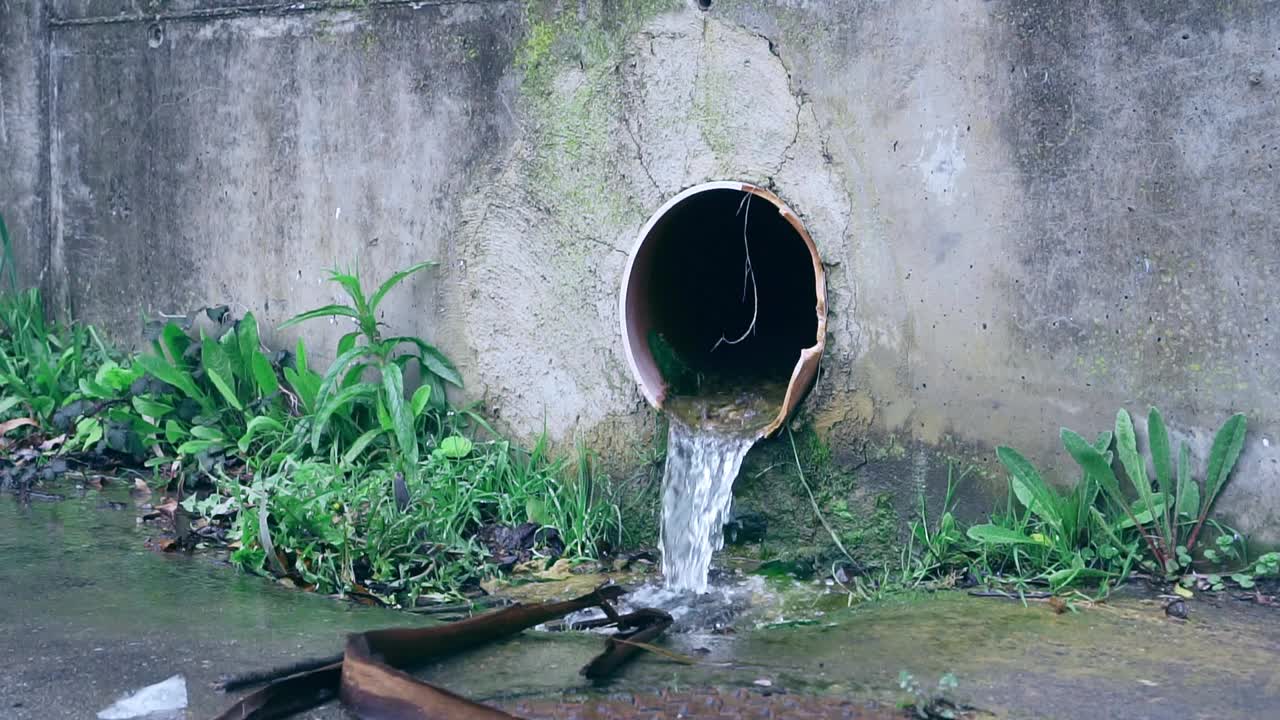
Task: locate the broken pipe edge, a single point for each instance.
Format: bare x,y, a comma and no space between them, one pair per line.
634,312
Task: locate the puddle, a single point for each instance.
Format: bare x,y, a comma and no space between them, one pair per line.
89,617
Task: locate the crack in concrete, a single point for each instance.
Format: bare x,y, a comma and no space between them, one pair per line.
796,95
626,123
693,100
795,137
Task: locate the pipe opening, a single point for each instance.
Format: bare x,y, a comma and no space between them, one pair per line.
706,311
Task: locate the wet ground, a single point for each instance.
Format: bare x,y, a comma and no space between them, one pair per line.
87,614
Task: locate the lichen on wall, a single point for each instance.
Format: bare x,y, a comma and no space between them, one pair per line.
620,110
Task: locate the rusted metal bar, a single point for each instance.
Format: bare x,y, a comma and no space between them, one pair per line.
370,677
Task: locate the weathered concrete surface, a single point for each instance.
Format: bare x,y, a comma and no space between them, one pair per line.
1033,212
23,155
236,159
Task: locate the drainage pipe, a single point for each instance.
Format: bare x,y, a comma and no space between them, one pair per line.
725,281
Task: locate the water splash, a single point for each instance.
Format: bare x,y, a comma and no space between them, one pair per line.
696,497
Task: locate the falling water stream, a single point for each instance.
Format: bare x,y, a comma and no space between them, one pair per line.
697,494
709,436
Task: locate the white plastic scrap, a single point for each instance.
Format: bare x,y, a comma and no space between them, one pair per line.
163,697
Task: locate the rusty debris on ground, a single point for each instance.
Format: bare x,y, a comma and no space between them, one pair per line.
369,677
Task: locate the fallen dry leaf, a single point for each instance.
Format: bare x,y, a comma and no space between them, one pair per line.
53,443
167,544
168,506
8,425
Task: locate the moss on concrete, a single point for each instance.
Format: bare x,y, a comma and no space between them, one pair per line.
865,520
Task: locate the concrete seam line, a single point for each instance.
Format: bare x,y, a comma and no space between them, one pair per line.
260,10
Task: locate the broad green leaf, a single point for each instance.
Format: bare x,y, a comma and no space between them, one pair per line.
359,445
536,511
997,535
193,447
1093,462
440,365
1145,511
455,447
348,341
214,357
150,408
344,398
1103,442
1127,447
247,339
1068,576
434,360
1188,489
384,419
1222,457
175,376
1158,439
406,438
112,376
256,426
305,384
7,403
421,397
88,432
300,357
231,349
1029,486
326,311
354,375
264,376
228,394
204,432
175,343
331,375
394,280
173,432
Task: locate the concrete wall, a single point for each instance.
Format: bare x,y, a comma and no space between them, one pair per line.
23,153
1033,212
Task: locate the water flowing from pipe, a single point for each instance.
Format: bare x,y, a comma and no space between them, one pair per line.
696,498
709,436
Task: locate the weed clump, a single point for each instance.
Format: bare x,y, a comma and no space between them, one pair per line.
342,479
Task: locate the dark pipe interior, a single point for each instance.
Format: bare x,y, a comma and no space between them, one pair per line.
699,293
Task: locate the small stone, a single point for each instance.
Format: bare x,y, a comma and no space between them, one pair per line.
1177,609
763,682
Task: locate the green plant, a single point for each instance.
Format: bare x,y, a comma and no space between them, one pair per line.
42,363
940,549
1169,517
8,268
338,528
204,397
1059,538
1229,560
344,389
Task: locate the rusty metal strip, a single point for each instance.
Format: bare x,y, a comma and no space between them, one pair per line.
371,681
